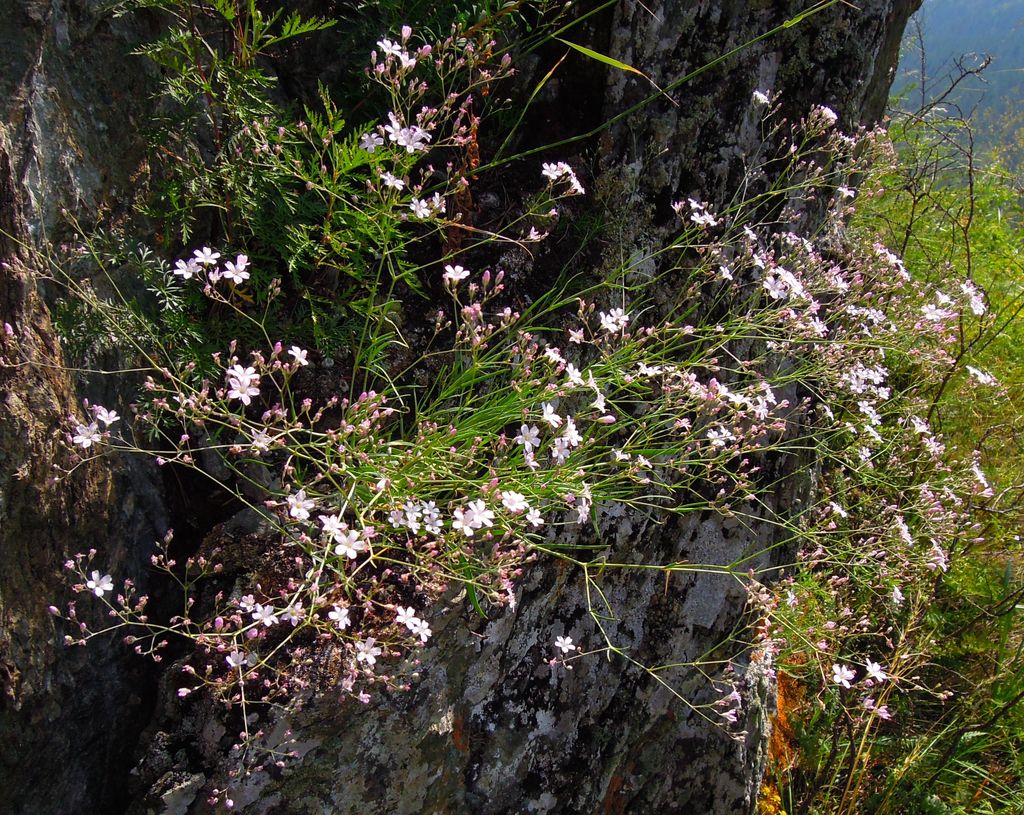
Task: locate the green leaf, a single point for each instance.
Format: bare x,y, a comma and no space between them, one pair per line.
622,66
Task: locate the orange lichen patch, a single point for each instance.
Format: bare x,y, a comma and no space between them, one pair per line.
782,745
460,735
615,801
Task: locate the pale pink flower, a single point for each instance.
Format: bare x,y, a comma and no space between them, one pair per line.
339,616
87,435
99,584
206,256
367,651
236,272
843,675
565,644
529,437
549,415
407,617
875,671
514,502
299,506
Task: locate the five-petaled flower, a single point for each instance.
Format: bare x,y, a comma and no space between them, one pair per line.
339,616
875,671
87,435
299,505
206,256
367,651
843,674
99,585
453,274
235,272
565,644
108,417
264,614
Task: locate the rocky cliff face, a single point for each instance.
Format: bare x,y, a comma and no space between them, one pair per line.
69,718
492,726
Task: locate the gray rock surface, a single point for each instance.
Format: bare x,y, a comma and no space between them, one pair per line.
69,717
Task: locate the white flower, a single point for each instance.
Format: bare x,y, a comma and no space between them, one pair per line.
975,298
407,617
462,520
244,393
875,671
843,675
339,616
108,417
350,544
293,613
826,114
186,268
573,373
720,437
261,440
534,518
367,651
244,375
554,355
391,181
571,434
614,321
549,415
370,142
775,286
565,644
99,585
299,355
419,208
389,48
482,516
412,138
299,506
206,256
529,437
236,659
242,383
87,435
560,450
514,502
983,377
935,314
235,272
333,527
453,274
431,517
760,98
561,170
264,614
422,630
897,596
554,171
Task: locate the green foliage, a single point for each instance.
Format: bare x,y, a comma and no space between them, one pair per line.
956,220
